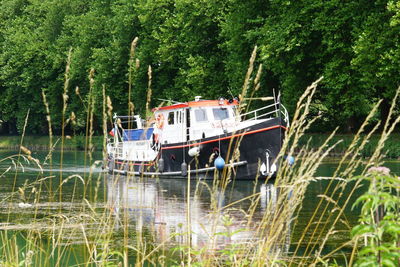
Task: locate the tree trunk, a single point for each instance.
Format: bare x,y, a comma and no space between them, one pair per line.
384,111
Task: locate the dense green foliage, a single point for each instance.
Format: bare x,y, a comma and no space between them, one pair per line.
196,48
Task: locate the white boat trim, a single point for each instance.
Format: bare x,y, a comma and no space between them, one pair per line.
178,173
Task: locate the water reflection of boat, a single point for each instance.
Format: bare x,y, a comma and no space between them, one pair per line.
198,137
163,206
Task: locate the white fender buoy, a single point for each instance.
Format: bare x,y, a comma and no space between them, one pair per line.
194,151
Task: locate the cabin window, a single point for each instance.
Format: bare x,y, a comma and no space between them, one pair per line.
188,118
179,117
200,115
171,116
220,113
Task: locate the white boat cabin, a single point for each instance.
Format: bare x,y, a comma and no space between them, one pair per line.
195,120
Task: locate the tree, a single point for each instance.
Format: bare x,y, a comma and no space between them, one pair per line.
377,53
303,40
182,43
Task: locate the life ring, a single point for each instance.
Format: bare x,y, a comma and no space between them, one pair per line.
160,121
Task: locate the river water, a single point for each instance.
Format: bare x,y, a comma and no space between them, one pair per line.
158,208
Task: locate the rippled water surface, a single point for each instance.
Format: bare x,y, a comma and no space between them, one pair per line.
32,198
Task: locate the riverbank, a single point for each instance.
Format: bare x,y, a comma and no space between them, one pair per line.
391,149
41,143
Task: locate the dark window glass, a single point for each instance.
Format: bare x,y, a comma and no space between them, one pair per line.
188,118
171,118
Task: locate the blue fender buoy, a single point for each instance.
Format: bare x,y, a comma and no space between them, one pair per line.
219,163
290,160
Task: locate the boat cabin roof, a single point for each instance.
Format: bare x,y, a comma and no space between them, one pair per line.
200,103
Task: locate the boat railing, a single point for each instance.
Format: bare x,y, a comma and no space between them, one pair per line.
115,149
270,111
118,150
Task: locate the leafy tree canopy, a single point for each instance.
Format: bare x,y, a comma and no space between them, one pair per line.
194,48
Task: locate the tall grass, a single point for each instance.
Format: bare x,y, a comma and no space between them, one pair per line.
83,229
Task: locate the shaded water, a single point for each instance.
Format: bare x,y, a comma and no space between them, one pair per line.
156,208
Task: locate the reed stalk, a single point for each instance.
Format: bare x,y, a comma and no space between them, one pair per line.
149,91
133,64
64,109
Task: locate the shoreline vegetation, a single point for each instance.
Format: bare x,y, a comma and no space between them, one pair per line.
41,143
72,143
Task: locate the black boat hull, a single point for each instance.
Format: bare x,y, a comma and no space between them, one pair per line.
243,151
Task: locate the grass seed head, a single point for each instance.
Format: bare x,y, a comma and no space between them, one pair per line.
72,118
137,64
26,150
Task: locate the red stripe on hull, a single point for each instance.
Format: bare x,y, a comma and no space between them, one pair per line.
227,137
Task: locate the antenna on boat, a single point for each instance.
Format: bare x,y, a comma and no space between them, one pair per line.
197,98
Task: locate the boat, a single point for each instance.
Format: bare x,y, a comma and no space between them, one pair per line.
198,139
